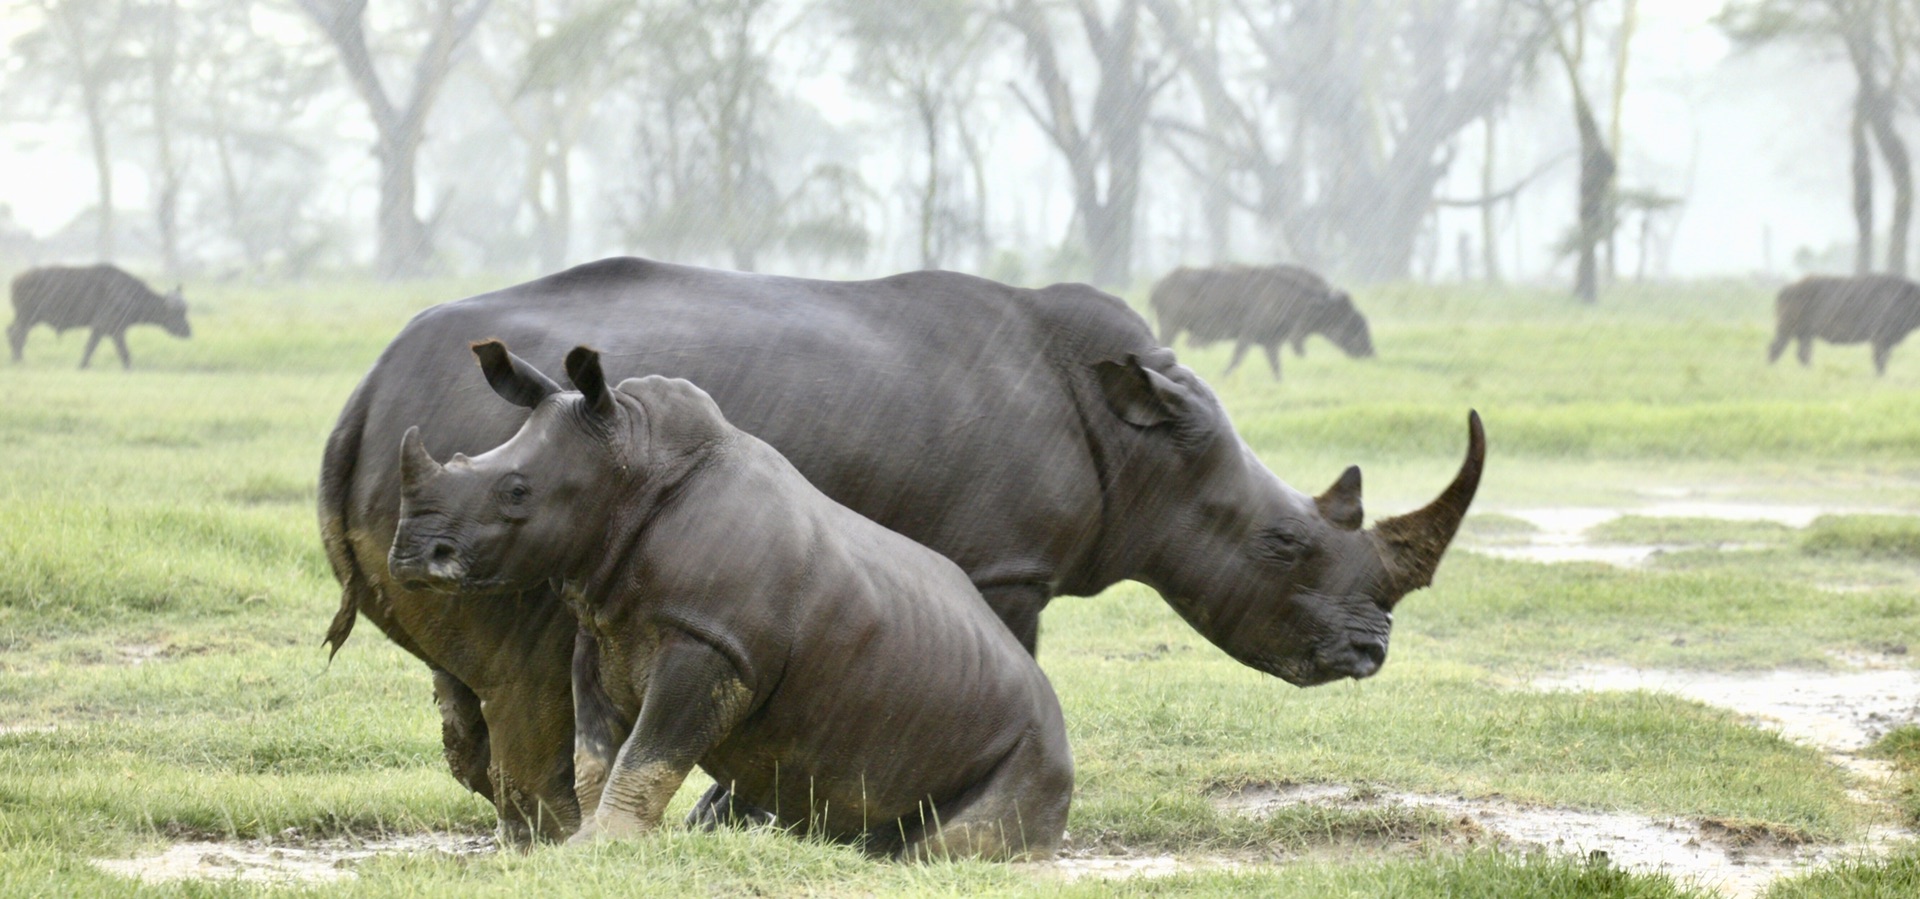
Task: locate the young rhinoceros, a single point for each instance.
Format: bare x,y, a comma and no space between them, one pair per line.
732,616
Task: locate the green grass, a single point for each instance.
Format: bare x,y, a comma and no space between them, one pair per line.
162,593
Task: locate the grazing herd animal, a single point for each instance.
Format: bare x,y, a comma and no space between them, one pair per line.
1042,440
734,617
1875,309
1262,306
98,297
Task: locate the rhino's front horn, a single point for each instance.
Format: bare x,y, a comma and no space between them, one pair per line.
416,467
1411,545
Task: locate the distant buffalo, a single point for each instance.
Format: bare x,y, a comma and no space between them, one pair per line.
1261,306
99,297
1876,309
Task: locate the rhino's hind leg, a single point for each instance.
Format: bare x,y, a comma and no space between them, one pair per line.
1239,353
1880,353
718,808
1018,813
1804,352
17,338
529,727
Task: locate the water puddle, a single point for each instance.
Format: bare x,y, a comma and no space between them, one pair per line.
274,862
1093,867
1737,861
1561,533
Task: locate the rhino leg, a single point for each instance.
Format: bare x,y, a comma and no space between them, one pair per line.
463,733
93,341
694,699
1018,812
17,338
1019,606
120,346
1804,352
1880,353
598,727
718,808
529,730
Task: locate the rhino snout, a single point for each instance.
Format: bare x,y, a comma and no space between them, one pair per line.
429,564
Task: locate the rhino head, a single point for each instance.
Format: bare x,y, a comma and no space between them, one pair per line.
1287,584
535,507
173,313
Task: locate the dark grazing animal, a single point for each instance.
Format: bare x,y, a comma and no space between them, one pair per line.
734,617
1876,309
1040,439
1261,306
100,297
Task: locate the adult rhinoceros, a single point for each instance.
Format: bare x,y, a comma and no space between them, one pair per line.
1040,439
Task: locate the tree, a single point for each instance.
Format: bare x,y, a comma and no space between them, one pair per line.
81,46
1104,154
924,57
1566,22
404,241
1345,129
1872,34
721,155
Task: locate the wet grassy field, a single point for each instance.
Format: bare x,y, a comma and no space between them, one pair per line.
162,595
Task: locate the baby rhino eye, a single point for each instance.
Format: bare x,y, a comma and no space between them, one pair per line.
513,490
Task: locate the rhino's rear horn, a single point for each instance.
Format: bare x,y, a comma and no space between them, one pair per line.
416,466
1340,505
1411,545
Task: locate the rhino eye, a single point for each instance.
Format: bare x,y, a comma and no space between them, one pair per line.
1282,544
513,491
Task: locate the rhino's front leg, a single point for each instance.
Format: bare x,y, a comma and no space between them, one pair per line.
530,730
694,698
599,728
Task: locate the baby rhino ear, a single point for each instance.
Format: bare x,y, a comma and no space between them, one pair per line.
583,368
511,377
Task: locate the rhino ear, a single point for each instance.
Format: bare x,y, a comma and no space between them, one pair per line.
511,377
1340,505
583,368
1140,395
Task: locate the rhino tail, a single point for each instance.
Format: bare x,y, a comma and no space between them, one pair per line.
337,467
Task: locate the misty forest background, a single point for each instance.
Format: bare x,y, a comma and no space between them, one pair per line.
1025,140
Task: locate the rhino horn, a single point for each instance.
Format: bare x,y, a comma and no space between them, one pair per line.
416,466
1411,545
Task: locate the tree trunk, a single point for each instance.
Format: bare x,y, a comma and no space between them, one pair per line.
930,193
557,240
405,248
1596,188
102,169
1862,190
1893,151
167,194
1490,265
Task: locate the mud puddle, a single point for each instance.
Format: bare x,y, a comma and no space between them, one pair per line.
1735,860
1561,533
283,861
1107,867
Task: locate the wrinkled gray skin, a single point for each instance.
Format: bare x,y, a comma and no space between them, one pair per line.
99,297
1261,306
735,617
1040,439
1875,309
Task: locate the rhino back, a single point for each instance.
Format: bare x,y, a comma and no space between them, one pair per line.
934,403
